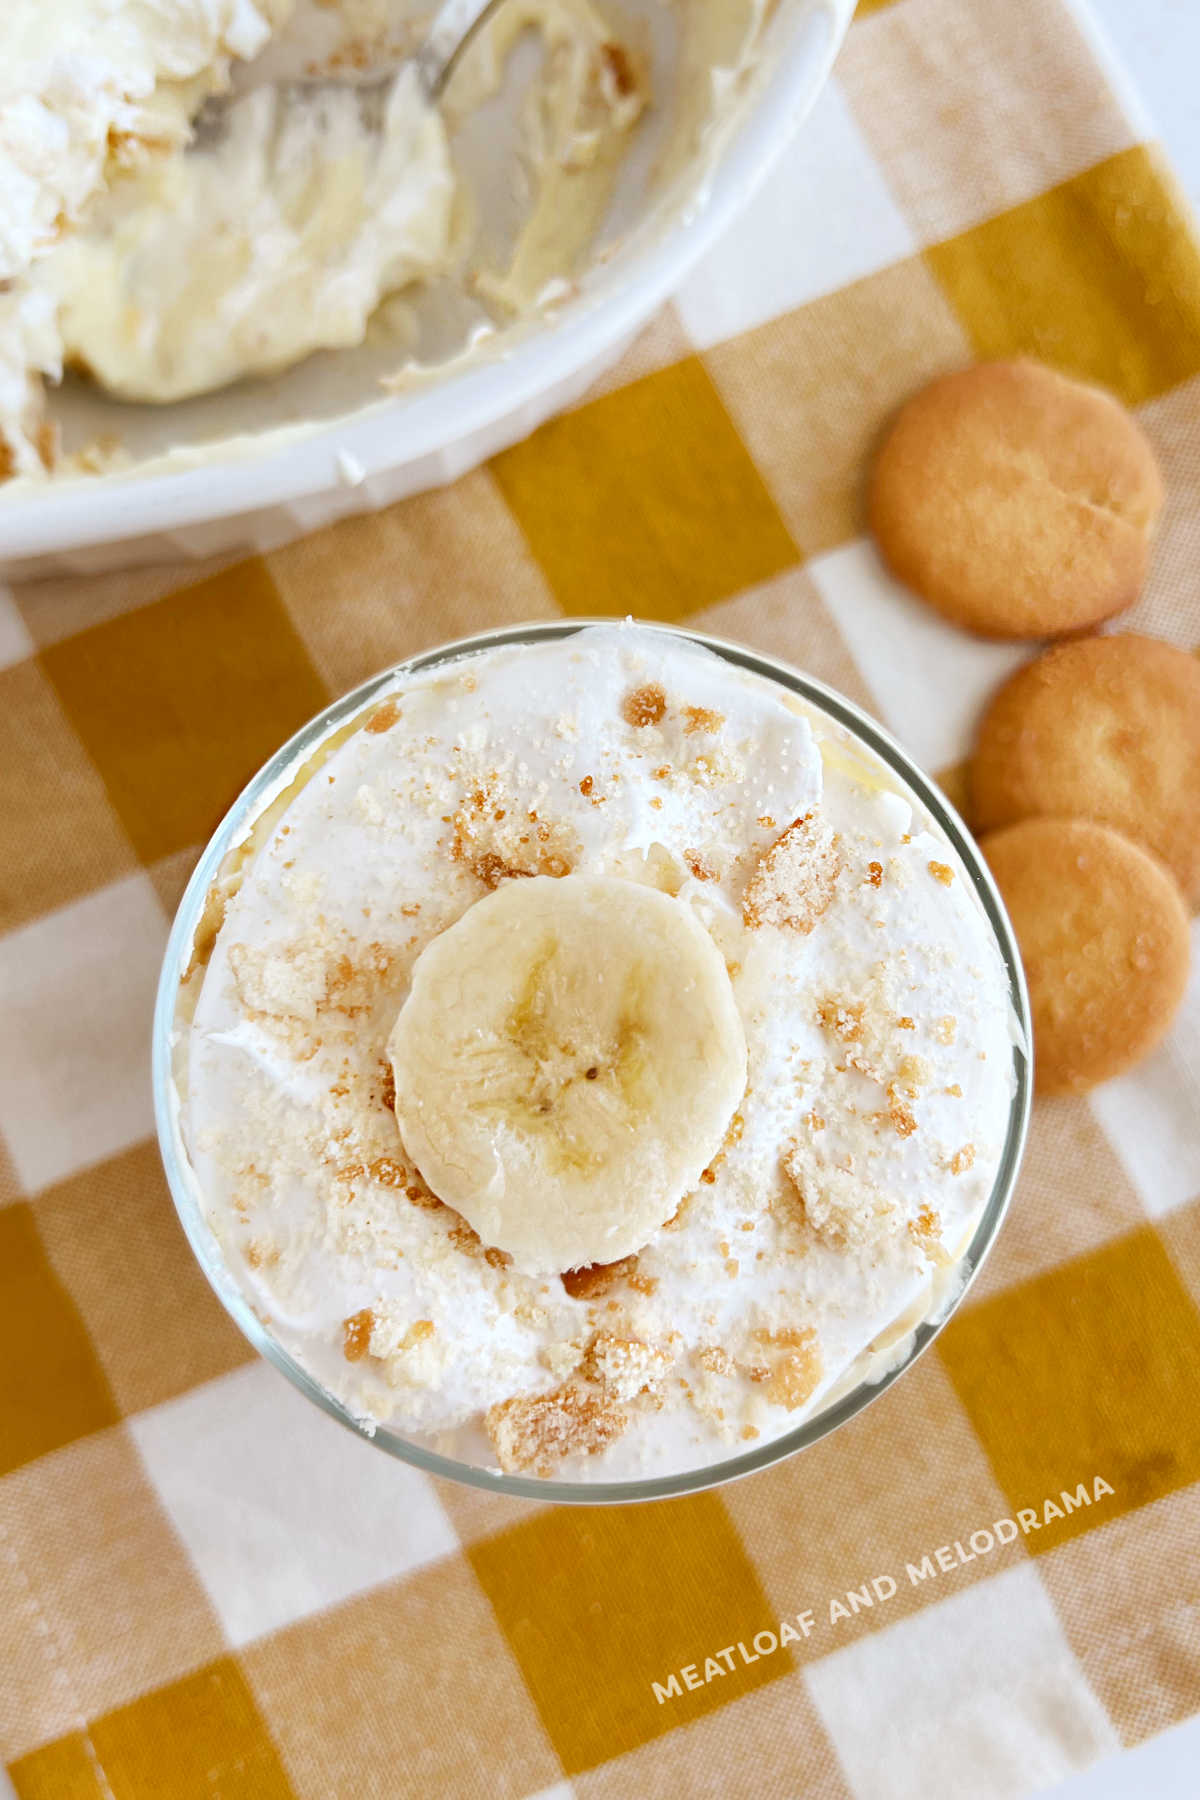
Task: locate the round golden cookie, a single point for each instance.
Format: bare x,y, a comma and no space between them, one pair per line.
1017,502
1104,728
1104,938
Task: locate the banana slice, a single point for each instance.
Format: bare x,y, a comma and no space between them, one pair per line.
566,1065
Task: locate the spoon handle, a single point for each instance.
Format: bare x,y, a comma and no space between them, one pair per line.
454,25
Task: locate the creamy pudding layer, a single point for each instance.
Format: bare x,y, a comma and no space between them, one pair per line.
854,1019
163,254
84,83
89,89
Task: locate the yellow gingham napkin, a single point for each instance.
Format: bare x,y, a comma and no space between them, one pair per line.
206,1587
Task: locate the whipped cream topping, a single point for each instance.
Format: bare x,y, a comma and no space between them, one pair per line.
870,990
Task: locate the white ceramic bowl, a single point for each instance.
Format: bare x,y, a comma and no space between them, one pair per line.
267,486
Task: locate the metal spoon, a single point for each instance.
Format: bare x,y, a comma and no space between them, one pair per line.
453,26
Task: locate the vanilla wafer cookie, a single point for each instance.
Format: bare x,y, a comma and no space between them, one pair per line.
1103,934
1017,502
1105,728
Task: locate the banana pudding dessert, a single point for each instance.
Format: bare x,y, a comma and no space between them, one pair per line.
203,191
198,194
592,1059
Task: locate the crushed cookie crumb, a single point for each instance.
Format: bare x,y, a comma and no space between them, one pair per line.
701,718
796,1366
597,1279
388,1172
942,872
417,1333
793,1379
464,1237
625,1366
875,874
422,1196
384,717
645,705
700,866
962,1160
844,1018
708,770
536,1432
905,1023
946,1030
794,882
954,1091
912,1075
491,869
297,983
494,855
926,1232
715,1359
903,1121
387,1085
585,786
356,1334
835,1203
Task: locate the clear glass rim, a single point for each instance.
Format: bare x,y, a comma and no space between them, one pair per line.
204,1244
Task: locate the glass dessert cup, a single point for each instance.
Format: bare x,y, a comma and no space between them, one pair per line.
870,1374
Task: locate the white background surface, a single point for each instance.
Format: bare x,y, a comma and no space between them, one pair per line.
1157,43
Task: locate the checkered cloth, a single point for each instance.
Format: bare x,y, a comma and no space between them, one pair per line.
207,1588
